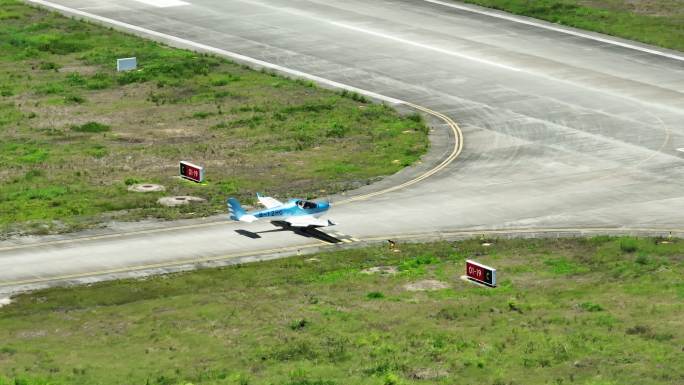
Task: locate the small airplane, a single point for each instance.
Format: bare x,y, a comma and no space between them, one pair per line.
296,212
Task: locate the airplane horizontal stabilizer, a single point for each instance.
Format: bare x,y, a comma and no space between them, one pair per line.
308,221
248,218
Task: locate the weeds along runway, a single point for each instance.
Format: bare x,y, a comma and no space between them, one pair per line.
560,130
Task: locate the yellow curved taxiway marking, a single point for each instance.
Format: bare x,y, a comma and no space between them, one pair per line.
458,146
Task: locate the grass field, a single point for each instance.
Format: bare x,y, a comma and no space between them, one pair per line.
658,22
76,134
601,311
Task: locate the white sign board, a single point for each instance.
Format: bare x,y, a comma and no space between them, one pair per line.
126,64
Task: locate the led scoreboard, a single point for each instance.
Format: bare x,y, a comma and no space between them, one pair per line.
191,171
480,273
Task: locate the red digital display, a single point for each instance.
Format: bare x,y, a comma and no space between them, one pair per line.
480,273
192,172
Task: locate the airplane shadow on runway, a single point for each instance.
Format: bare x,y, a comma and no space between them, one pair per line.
308,232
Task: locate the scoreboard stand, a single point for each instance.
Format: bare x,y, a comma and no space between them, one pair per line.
191,171
480,274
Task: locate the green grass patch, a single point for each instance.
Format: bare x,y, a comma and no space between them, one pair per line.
591,307
50,89
74,99
98,151
563,266
258,131
91,127
629,245
49,66
9,114
99,81
659,22
18,153
278,322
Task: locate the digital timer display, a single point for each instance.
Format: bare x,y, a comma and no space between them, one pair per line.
481,273
190,171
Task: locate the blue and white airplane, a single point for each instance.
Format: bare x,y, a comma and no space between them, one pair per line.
296,212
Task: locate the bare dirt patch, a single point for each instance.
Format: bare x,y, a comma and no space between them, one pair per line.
381,270
29,334
428,374
80,69
427,285
146,187
179,200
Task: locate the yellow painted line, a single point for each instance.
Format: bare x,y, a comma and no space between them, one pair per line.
159,265
456,151
458,146
289,249
116,235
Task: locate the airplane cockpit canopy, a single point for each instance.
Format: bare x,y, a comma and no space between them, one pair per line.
307,205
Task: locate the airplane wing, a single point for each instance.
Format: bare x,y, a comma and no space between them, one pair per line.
269,202
308,220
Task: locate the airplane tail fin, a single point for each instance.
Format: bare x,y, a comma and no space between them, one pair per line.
236,211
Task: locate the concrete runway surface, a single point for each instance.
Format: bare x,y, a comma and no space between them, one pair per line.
561,130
